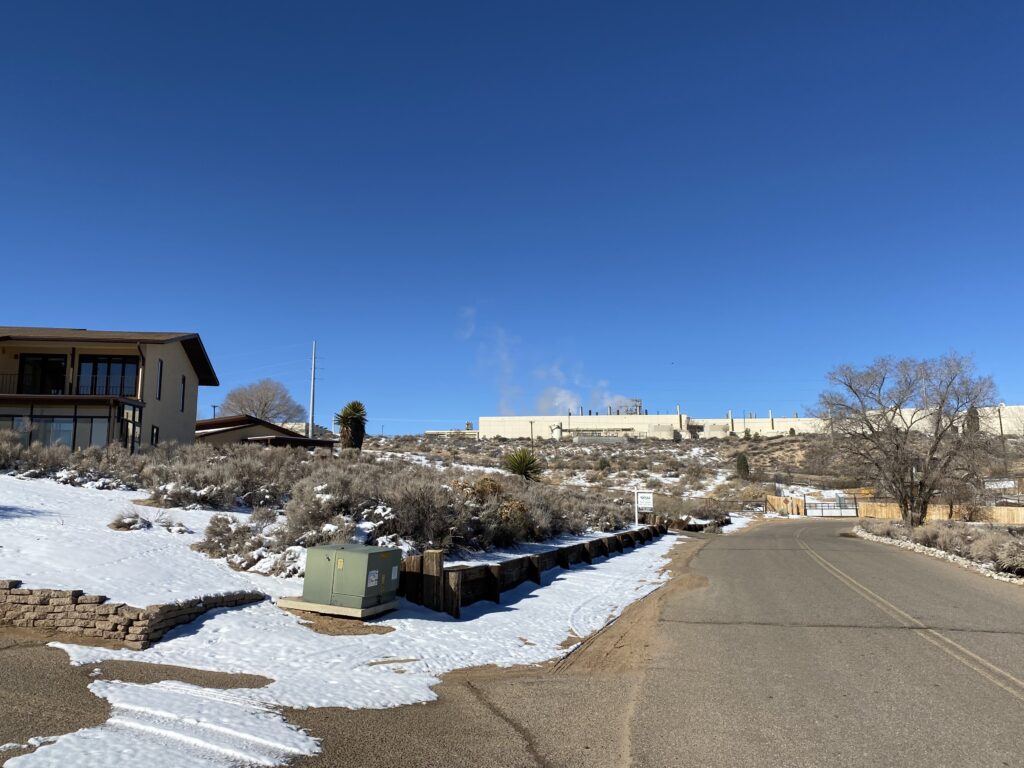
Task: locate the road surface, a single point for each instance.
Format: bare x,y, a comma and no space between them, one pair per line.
788,644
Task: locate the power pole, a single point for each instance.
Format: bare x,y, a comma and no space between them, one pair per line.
312,393
215,407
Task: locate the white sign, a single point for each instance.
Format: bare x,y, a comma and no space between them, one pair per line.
372,578
645,501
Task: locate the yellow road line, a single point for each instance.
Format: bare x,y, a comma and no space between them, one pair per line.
952,648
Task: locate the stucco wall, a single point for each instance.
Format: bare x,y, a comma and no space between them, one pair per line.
166,413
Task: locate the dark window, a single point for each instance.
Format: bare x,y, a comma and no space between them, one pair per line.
182,394
90,432
42,374
108,375
159,378
131,427
154,435
50,430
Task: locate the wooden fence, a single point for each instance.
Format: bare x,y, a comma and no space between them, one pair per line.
793,505
888,510
425,580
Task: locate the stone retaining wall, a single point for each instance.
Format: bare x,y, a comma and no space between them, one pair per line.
77,613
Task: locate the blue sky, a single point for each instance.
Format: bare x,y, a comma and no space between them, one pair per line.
485,207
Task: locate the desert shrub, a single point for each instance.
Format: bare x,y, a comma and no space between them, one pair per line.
886,528
523,462
953,539
985,546
263,517
45,458
1010,557
486,487
226,535
10,448
926,535
129,521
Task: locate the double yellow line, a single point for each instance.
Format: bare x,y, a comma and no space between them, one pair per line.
971,660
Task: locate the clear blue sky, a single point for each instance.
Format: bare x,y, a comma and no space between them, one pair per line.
481,206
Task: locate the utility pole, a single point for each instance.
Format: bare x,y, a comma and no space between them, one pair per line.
215,407
312,393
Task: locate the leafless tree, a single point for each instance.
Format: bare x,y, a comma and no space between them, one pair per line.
907,421
266,399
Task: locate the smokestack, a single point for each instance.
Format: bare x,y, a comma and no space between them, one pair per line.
609,410
771,419
581,410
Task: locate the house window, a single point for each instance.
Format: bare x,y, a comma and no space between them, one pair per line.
154,435
159,378
182,394
91,432
131,427
42,374
110,375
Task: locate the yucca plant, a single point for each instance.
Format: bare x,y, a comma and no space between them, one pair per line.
352,421
523,462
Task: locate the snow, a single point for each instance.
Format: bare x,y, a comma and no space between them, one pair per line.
738,523
57,536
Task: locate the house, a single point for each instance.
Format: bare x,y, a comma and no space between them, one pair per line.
249,429
302,428
96,388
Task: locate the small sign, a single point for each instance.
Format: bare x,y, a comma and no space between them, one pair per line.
372,578
340,563
394,573
645,501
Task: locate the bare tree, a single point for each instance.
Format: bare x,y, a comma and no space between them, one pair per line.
266,399
910,423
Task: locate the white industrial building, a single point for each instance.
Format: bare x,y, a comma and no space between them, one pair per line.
1002,419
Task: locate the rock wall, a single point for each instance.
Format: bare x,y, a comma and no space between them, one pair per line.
76,613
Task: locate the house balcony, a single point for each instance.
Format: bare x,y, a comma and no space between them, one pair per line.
85,389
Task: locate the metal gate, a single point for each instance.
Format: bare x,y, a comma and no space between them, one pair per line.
841,507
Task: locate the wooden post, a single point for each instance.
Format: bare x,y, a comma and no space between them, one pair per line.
533,573
495,585
589,552
433,577
563,557
452,592
410,579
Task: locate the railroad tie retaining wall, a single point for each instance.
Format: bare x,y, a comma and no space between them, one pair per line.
426,581
76,613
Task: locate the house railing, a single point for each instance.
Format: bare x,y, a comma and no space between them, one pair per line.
8,383
105,385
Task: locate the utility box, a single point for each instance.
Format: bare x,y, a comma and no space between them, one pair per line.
351,576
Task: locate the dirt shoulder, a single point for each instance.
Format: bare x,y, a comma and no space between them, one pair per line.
573,712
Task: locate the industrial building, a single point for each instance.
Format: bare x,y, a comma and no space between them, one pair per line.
997,420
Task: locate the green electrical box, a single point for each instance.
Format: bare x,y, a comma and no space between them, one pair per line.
351,575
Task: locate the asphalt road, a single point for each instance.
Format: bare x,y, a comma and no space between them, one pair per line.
788,644
808,648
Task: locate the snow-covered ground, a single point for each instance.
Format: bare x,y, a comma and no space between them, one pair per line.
56,536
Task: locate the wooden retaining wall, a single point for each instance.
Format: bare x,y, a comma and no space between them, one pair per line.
76,613
425,580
